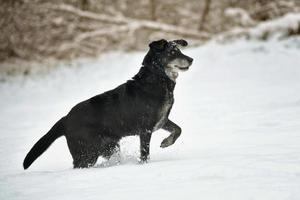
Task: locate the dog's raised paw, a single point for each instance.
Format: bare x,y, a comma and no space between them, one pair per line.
166,142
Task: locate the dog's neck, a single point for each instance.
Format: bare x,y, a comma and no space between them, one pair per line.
156,77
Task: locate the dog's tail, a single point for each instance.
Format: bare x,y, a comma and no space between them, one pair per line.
41,146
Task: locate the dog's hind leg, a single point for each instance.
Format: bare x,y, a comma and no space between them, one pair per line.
145,145
175,131
84,155
84,161
110,149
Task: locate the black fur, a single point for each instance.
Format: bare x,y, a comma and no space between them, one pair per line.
94,127
55,132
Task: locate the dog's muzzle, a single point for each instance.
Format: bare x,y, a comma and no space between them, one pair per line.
181,64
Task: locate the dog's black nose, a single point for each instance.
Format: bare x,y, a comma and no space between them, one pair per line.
190,60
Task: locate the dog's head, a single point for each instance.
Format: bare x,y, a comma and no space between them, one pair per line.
166,55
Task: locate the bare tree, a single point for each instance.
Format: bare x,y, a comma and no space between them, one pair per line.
204,14
153,10
84,4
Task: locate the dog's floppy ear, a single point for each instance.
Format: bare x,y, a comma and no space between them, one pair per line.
181,42
158,45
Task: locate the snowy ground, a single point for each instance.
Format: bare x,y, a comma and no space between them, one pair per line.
238,106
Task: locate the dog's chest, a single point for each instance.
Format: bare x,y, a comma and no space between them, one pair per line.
163,112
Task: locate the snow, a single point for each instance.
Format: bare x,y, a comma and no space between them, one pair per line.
280,27
238,107
239,16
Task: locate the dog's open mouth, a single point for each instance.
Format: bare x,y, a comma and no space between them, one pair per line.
182,68
179,65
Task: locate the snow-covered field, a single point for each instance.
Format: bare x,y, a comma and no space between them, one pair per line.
238,106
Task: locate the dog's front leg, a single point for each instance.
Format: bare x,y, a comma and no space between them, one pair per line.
145,145
175,131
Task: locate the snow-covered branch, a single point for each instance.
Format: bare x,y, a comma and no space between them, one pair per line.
101,31
133,23
239,16
286,25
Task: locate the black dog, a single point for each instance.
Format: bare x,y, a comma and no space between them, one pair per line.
140,106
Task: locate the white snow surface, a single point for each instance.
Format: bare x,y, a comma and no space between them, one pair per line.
238,107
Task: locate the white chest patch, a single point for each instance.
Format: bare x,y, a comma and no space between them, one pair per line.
171,73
